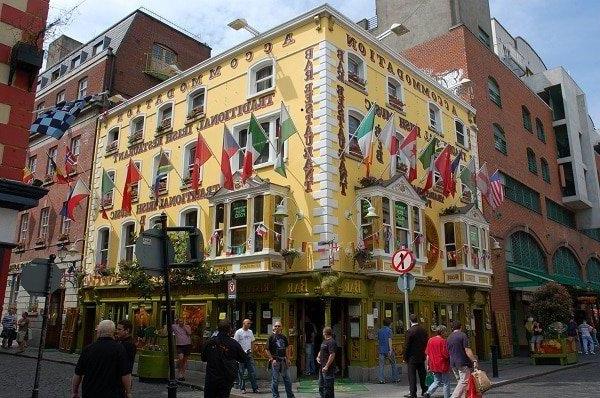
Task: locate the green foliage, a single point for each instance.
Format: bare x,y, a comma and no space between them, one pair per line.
551,303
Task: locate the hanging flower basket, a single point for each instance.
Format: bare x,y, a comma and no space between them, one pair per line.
289,255
362,257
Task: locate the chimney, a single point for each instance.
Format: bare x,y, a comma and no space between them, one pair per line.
59,49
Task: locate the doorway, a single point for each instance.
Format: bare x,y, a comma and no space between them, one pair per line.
89,327
479,333
55,318
340,323
310,321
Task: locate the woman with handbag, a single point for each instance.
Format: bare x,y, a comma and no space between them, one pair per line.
9,333
23,333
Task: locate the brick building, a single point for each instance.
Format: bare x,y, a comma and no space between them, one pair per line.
533,127
22,24
129,57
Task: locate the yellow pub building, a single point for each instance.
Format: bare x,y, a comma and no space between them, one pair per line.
328,72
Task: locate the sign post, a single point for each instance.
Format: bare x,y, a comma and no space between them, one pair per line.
403,261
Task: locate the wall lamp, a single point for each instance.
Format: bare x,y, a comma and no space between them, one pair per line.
281,213
241,23
370,216
396,28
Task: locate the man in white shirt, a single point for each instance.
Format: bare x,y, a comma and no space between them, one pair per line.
245,337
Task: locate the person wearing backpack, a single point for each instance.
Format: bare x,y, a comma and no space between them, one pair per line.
221,354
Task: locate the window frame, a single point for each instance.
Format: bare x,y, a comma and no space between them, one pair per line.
438,119
136,134
183,214
98,48
60,96
273,140
500,138
23,227
545,169
32,163
494,93
188,160
43,228
193,112
253,81
135,187
465,133
353,149
127,246
230,228
526,118
397,101
105,204
82,87
160,116
361,69
50,167
532,161
539,128
164,50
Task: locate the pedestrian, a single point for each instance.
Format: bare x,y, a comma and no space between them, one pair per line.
222,354
103,367
123,334
438,362
414,355
9,328
462,359
529,333
183,342
537,336
326,358
587,342
310,331
573,333
23,334
594,335
278,350
386,352
245,337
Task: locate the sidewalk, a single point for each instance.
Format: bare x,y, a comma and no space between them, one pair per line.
511,370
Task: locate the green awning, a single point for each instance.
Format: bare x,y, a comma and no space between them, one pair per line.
529,280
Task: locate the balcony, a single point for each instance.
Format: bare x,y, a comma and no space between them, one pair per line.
267,262
158,68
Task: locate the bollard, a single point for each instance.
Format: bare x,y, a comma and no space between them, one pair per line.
494,360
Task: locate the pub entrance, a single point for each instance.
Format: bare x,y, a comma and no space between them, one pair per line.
311,321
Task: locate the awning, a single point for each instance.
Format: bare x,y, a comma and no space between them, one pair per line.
529,280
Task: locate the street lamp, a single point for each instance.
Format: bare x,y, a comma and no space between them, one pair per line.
241,23
495,243
395,28
281,213
371,213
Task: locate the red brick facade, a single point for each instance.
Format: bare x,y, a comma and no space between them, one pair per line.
460,49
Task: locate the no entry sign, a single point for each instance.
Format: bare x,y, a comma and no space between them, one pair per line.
232,289
403,261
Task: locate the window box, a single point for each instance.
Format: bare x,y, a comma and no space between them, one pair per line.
195,114
395,103
135,138
112,147
357,80
164,128
40,243
434,130
63,238
186,182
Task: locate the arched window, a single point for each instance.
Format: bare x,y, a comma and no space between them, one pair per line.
523,251
262,76
128,236
566,264
531,161
102,246
196,103
526,118
136,130
189,218
165,118
593,271
499,139
112,140
354,119
545,170
539,128
356,70
494,91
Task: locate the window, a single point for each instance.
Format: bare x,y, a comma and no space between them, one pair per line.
435,118
560,214
128,237
401,229
523,251
402,226
366,226
135,187
258,222
417,231
483,37
75,146
164,54
136,129
531,161
521,194
499,139
32,163
545,170
395,94
566,264
189,218
278,226
51,163
44,219
165,117
494,91
237,226
261,77
82,89
112,140
461,135
23,227
593,271
163,179
216,240
39,108
196,103
65,225
189,156
98,47
474,245
386,220
450,244
107,198
356,70
60,97
539,128
563,146
354,119
270,126
75,62
55,75
526,118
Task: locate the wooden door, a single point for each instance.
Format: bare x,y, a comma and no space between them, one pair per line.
55,315
479,334
69,331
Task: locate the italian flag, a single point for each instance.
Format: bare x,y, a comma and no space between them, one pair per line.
427,160
364,133
255,143
107,186
408,148
286,130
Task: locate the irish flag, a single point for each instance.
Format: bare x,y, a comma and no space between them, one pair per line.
427,160
408,148
79,192
364,133
255,143
286,130
388,136
230,148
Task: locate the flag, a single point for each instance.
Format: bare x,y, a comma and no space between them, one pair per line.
57,120
27,175
70,162
133,176
78,193
427,160
444,167
364,132
483,180
388,136
164,166
467,175
201,156
287,127
279,165
261,230
107,186
255,143
230,148
495,195
454,167
59,174
408,148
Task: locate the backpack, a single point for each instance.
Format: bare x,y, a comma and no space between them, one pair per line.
228,367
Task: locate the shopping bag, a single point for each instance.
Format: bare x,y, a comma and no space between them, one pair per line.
429,379
472,388
482,381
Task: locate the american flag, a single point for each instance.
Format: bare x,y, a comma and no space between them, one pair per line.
70,162
495,194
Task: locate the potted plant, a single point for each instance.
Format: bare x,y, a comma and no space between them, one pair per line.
370,181
289,255
195,113
153,359
362,256
112,146
396,103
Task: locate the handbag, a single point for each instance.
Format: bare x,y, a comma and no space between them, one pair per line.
472,388
482,381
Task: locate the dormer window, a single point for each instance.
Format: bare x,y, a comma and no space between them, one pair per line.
54,75
262,77
356,70
136,133
395,94
196,104
98,47
75,62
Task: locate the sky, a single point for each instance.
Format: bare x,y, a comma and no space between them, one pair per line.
563,32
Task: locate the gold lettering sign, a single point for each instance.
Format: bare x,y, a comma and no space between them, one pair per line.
352,286
453,277
249,266
297,287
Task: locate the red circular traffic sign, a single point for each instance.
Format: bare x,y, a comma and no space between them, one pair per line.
403,261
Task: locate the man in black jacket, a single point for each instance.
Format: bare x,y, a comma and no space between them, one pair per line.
221,354
123,334
414,355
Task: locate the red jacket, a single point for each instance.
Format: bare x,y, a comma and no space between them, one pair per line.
438,359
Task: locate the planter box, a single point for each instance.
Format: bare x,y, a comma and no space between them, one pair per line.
562,350
153,366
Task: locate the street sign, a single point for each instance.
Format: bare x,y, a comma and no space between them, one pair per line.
148,249
231,289
403,261
34,274
406,282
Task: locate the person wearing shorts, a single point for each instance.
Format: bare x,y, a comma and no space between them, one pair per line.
536,339
183,342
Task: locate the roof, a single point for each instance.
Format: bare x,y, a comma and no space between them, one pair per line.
280,29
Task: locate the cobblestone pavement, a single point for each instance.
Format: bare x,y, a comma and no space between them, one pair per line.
17,374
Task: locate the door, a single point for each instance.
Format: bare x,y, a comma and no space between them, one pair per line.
89,327
67,337
340,322
55,312
310,321
479,333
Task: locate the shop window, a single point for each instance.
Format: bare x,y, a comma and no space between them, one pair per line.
117,311
237,226
262,77
217,236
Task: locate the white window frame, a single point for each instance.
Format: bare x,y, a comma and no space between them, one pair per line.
365,223
60,97
188,161
110,139
249,246
219,231
252,80
358,115
23,227
50,169
278,222
75,147
135,187
160,115
82,87
190,98
183,215
456,248
101,243
155,161
399,90
362,66
271,118
133,127
75,62
111,174
44,223
32,163
437,124
97,48
465,133
124,245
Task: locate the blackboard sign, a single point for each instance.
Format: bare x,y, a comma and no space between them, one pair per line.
238,213
401,214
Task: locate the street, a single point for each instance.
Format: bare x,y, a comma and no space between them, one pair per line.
17,374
